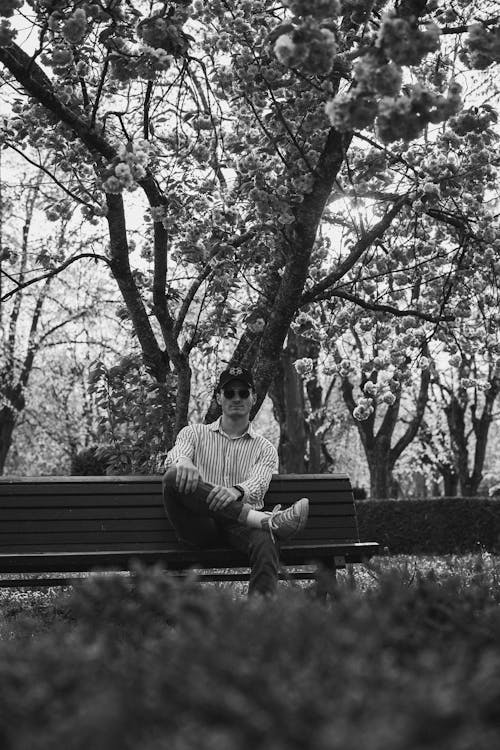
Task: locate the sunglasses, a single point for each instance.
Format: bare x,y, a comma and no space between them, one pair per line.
229,393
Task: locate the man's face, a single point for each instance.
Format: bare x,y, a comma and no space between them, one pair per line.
236,398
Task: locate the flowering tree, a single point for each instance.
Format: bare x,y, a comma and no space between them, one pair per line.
239,124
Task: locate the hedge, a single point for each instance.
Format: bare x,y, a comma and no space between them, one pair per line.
407,665
436,527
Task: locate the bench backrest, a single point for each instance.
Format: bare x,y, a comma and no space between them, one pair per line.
86,514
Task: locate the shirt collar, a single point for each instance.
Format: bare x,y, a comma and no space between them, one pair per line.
216,427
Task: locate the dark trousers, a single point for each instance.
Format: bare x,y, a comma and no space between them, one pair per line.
198,526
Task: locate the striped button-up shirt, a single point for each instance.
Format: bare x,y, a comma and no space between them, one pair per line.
248,460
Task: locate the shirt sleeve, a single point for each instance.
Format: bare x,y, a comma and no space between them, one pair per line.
184,446
257,484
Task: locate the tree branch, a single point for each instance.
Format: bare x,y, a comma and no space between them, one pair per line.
375,307
54,272
368,238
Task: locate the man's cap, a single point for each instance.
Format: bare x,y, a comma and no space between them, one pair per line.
235,373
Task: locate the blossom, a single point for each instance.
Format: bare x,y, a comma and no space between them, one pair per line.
112,185
75,27
389,398
370,388
122,171
61,56
7,34
362,412
351,110
304,366
482,46
316,8
381,76
7,7
314,49
467,383
345,367
288,52
405,43
158,213
258,326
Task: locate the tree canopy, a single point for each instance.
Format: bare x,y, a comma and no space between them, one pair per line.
328,165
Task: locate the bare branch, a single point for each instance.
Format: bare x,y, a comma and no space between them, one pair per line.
54,272
49,173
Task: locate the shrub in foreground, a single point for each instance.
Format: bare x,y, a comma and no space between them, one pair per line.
157,664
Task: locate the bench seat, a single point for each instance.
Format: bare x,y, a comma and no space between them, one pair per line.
80,524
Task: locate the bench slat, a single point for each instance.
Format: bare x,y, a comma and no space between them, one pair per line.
159,536
125,499
156,511
89,523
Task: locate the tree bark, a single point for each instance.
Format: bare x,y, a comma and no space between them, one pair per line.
287,394
7,425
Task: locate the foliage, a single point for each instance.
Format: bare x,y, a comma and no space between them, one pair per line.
88,462
412,661
131,429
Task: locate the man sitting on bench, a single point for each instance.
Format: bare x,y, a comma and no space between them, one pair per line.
215,481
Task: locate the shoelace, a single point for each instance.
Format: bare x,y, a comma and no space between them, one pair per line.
287,514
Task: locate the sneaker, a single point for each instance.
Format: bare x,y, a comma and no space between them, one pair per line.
286,523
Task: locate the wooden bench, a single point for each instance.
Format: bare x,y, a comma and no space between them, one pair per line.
72,524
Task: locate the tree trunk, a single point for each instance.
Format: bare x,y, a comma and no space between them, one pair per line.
382,483
450,480
316,462
7,424
288,400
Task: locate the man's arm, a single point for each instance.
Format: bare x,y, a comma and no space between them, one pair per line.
181,456
256,484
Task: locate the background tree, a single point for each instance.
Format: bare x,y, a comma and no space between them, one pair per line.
40,316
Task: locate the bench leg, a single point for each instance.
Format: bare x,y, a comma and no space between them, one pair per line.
326,581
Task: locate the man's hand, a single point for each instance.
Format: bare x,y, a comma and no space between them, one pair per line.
219,496
187,476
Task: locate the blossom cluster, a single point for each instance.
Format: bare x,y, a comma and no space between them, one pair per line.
375,74
403,42
404,117
352,110
7,33
481,385
163,33
364,409
304,366
159,214
312,49
482,46
129,167
315,8
75,27
8,7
